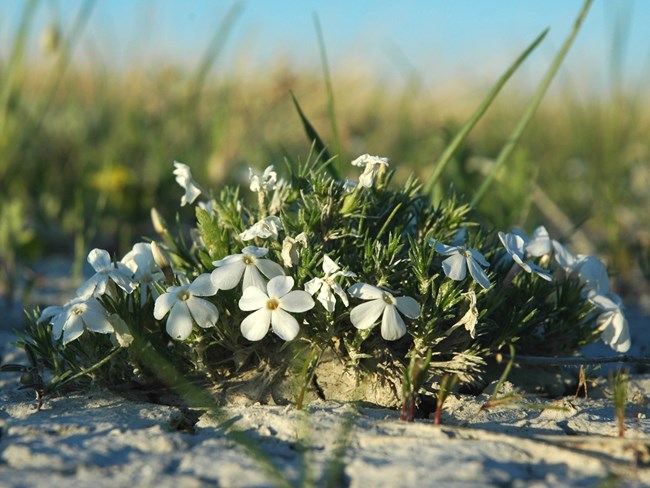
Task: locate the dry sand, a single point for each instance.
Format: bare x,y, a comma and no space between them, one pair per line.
98,438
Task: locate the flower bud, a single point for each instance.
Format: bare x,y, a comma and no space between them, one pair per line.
163,263
159,224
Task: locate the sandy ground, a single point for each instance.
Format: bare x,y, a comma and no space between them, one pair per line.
98,438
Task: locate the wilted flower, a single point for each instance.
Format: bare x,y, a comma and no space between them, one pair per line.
267,227
328,286
264,182
145,271
460,258
371,166
515,245
290,249
184,178
385,304
248,264
74,317
186,307
470,319
105,270
612,322
271,309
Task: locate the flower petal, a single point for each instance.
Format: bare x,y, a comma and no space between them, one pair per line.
478,274
365,291
99,259
540,244
329,266
444,248
179,322
326,298
229,275
204,313
203,286
95,285
279,286
478,257
296,301
255,251
163,303
365,315
408,306
312,286
252,277
341,293
269,268
253,299
392,325
284,325
73,328
455,267
256,325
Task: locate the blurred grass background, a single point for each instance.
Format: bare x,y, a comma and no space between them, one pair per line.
85,152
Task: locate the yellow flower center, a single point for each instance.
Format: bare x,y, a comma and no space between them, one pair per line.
248,260
273,304
388,299
184,296
77,311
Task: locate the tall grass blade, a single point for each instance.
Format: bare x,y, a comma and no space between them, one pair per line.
330,93
12,70
477,115
315,139
214,49
525,119
65,55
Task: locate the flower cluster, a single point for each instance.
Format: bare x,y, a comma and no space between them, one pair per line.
326,266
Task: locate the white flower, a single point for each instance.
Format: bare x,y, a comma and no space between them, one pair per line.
264,182
271,307
328,286
267,227
186,307
541,244
370,165
612,322
145,270
184,178
105,270
593,273
209,207
290,249
76,316
515,246
460,258
385,304
248,264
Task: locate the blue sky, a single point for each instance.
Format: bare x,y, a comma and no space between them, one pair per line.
443,41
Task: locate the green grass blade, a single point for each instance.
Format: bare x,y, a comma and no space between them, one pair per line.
330,93
525,119
315,139
477,115
214,49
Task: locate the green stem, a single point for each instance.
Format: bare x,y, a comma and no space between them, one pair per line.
86,371
516,134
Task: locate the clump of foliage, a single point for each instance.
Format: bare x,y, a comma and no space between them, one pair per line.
395,277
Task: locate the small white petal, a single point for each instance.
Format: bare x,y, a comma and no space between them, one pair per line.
340,292
256,325
163,304
478,257
258,252
563,256
179,322
408,306
284,325
329,266
365,315
365,291
73,328
296,301
203,286
252,277
540,244
269,268
229,275
204,313
279,286
95,285
444,248
392,325
99,259
455,267
478,274
313,285
326,298
253,299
